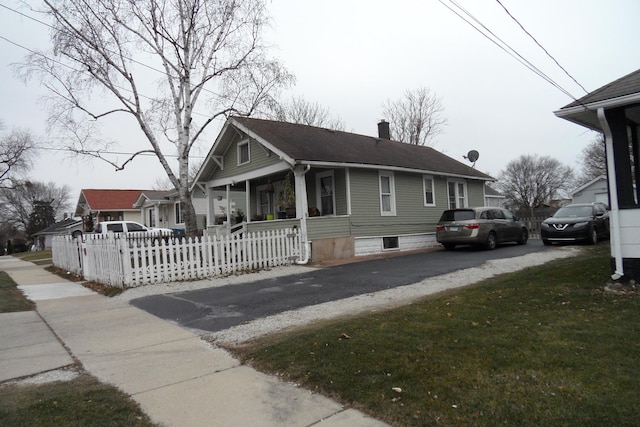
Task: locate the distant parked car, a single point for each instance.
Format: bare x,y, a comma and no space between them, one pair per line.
485,226
130,227
580,222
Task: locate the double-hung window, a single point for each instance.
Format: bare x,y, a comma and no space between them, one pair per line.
326,195
429,191
243,152
457,194
387,194
179,217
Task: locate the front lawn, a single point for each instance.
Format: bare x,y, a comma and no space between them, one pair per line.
544,346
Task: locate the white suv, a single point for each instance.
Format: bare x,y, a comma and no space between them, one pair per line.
106,227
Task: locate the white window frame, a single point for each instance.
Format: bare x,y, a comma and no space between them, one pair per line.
319,177
459,201
179,216
239,148
432,190
391,194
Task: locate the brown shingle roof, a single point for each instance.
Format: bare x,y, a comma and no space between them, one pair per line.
110,200
312,144
623,86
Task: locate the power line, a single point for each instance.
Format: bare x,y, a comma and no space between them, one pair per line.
164,73
541,47
503,45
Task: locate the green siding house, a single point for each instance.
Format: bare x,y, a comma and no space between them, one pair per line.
348,194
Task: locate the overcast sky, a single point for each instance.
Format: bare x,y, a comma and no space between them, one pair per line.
351,56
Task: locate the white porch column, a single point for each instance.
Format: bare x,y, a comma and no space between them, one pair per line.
247,199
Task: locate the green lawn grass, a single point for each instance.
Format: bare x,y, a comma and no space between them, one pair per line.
80,402
36,257
11,299
542,346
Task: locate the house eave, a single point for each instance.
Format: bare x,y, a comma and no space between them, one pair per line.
391,168
586,114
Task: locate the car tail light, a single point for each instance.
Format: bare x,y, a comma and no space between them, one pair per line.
439,227
472,226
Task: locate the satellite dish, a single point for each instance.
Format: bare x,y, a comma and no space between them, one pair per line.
472,156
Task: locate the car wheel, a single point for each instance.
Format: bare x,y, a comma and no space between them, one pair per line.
594,237
546,243
524,236
449,246
490,243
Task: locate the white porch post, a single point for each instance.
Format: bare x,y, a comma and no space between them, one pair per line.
227,195
614,218
247,199
211,217
302,209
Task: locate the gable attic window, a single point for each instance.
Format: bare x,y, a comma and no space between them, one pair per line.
243,152
387,194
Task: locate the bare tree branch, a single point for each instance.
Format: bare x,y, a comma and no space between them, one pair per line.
532,180
416,118
162,63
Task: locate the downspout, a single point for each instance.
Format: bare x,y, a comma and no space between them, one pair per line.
616,244
302,207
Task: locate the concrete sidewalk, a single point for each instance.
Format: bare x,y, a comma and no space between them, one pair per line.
178,379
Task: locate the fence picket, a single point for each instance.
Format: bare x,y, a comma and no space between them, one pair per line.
123,262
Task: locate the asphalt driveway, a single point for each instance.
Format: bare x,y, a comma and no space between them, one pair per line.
219,308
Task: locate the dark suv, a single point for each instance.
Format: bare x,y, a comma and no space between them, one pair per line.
580,222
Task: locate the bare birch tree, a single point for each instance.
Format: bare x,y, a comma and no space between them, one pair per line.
173,67
416,118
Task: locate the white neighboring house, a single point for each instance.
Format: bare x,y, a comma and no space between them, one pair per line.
596,190
493,197
66,227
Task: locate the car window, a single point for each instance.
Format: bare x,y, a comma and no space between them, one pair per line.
132,226
116,228
458,215
497,214
508,215
573,212
485,215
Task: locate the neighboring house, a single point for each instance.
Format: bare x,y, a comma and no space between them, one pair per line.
108,205
493,197
614,109
163,208
596,190
68,226
350,194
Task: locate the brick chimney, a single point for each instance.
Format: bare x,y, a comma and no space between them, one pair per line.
383,130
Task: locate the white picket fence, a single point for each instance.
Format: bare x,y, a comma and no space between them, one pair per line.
125,263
